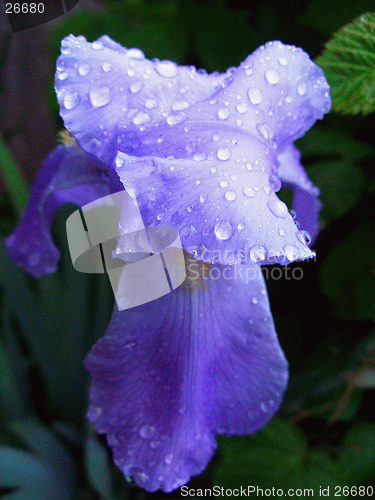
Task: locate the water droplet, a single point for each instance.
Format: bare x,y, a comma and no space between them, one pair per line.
231,195
304,237
223,154
254,300
62,76
168,459
190,208
223,113
293,214
66,51
283,61
180,105
255,95
200,156
97,45
95,412
146,431
141,118
223,230
216,137
155,444
275,183
135,54
136,87
266,406
203,198
138,474
257,253
272,76
302,88
151,104
159,216
131,72
107,67
224,183
242,107
241,226
249,192
176,118
100,96
291,252
60,65
71,99
84,69
277,207
288,99
167,69
282,232
265,130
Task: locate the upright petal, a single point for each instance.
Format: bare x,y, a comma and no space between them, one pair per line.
106,92
171,374
305,195
67,175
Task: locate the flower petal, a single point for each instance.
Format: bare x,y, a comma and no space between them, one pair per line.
107,92
225,211
170,374
305,194
67,175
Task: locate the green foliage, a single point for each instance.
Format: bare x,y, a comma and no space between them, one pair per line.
348,62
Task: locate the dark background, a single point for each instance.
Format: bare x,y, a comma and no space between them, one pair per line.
324,434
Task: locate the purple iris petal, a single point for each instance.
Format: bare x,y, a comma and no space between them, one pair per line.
305,194
171,374
220,146
219,208
67,175
106,92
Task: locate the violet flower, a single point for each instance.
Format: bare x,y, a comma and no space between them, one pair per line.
205,154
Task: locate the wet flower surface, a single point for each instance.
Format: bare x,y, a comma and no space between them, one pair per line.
206,155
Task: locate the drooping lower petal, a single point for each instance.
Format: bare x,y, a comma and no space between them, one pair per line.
68,175
305,195
171,374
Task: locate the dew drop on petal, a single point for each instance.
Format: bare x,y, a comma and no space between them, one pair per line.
302,88
241,226
254,300
84,69
175,118
249,192
283,61
277,207
275,182
223,230
141,118
265,130
242,107
282,232
154,445
100,96
203,198
223,113
71,99
180,105
135,54
107,67
231,195
255,95
62,76
136,87
146,431
272,76
257,253
169,458
97,45
291,252
167,69
223,154
200,156
224,183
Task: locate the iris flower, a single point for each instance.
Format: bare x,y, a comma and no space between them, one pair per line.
205,154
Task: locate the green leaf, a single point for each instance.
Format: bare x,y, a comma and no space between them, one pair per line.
341,184
10,395
352,298
349,65
357,456
14,181
97,466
